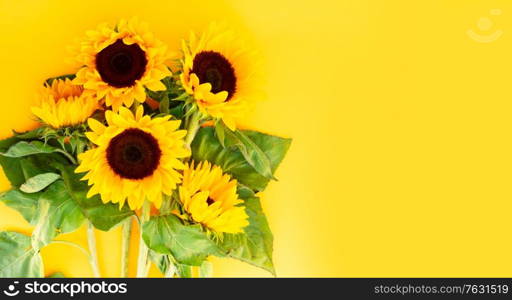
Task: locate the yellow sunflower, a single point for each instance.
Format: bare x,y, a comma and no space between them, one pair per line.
221,73
136,157
64,104
210,197
118,62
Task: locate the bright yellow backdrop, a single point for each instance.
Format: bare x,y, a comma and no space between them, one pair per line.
401,163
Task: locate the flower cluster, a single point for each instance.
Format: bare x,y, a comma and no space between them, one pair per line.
139,132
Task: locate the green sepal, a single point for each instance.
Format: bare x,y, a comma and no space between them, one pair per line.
49,81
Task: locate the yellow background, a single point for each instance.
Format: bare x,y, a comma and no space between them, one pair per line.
401,163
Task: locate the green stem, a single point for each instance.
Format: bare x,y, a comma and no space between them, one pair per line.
171,270
69,156
38,241
143,249
91,240
192,128
125,247
82,249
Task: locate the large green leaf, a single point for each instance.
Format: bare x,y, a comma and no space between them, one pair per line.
24,171
206,146
24,148
249,150
37,133
256,245
21,160
57,213
103,216
39,182
17,257
7,143
25,204
13,170
187,244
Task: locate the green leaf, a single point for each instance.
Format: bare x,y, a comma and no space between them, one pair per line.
39,182
161,261
58,213
164,105
56,275
12,170
103,216
250,151
182,97
187,244
7,143
256,245
11,167
220,133
178,110
17,257
207,147
164,263
19,169
254,155
184,271
25,204
24,148
30,135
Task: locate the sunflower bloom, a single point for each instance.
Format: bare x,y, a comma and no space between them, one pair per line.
221,73
136,158
119,62
64,104
210,197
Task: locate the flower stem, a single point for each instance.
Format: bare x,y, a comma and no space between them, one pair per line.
171,270
91,240
142,262
82,249
68,156
192,128
125,247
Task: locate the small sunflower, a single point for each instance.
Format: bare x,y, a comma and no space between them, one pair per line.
136,157
118,62
211,198
221,73
64,104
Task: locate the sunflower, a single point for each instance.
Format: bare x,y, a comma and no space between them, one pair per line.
210,197
221,73
64,104
118,62
136,157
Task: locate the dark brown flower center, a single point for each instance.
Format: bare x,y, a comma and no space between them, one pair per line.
120,65
214,68
133,154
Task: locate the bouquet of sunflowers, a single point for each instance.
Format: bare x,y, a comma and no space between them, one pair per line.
137,137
